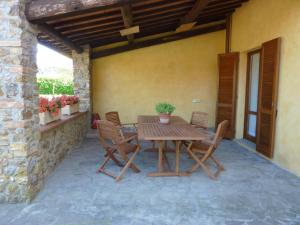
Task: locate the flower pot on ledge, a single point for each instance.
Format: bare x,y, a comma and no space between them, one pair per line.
70,109
47,117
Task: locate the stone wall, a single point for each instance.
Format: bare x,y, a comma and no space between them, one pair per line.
82,78
24,161
58,142
19,129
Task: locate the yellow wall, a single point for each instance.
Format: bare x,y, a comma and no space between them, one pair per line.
176,72
258,21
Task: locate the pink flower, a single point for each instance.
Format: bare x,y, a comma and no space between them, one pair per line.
53,106
69,100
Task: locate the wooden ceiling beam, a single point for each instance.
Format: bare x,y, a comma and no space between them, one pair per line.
216,14
156,41
53,47
166,16
42,10
92,32
128,20
159,13
45,28
95,27
192,15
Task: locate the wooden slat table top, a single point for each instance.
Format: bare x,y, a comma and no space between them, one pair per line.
160,132
175,120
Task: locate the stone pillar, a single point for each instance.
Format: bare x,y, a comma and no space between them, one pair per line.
82,78
19,122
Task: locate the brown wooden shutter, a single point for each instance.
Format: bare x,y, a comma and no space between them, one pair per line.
226,105
268,89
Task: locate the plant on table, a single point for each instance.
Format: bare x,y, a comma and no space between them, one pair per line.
164,110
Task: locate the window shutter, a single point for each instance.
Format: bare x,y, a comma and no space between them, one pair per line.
268,91
226,105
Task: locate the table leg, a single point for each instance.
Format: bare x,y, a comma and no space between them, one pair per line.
160,156
177,157
161,172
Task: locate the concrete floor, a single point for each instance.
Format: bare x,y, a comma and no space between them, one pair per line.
251,191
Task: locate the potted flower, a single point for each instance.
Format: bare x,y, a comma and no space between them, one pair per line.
164,110
70,104
49,110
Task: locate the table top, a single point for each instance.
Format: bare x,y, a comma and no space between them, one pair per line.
174,120
173,131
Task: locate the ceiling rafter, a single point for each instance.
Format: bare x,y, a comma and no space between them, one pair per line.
128,20
192,15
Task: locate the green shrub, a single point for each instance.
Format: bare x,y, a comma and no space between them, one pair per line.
55,87
165,108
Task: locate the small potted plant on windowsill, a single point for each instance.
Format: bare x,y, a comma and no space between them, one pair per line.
164,110
49,110
70,104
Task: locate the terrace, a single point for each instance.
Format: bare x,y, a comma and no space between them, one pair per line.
251,191
233,61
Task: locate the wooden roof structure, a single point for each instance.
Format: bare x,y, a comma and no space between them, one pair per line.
67,25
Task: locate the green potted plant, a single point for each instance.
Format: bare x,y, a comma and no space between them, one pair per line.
164,110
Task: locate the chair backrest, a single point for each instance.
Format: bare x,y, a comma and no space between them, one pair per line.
113,117
109,134
199,119
222,127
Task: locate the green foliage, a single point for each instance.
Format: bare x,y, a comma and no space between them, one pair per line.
55,87
165,108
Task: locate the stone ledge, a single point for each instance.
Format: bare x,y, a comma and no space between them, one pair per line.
62,121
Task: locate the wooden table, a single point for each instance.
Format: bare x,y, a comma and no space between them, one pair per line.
178,130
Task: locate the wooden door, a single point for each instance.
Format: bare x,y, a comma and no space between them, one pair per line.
268,89
227,92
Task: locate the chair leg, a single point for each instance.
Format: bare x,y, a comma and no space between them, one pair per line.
200,163
129,164
112,156
103,164
218,163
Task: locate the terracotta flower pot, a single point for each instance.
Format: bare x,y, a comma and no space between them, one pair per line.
164,118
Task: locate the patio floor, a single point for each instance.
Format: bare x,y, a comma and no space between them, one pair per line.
251,191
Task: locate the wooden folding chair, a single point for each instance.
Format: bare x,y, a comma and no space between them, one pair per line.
206,149
115,119
199,120
117,148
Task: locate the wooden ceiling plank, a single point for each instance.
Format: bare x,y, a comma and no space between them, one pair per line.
151,19
217,13
107,29
88,28
161,40
87,21
226,7
162,12
45,28
162,7
84,16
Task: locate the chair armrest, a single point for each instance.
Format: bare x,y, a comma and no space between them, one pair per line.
128,139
